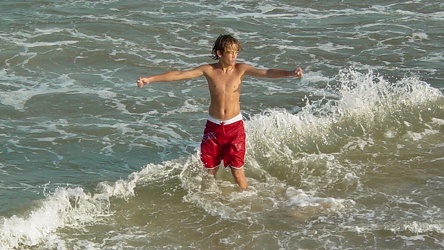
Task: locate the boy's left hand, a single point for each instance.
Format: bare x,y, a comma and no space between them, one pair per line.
298,72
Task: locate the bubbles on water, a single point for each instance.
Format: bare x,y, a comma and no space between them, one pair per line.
266,195
65,207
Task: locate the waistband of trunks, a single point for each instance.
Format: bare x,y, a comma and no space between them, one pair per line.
226,122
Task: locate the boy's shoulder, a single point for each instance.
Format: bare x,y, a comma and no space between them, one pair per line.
208,66
242,65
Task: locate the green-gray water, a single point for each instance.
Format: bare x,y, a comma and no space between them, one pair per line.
350,156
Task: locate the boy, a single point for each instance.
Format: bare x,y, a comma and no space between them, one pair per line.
224,134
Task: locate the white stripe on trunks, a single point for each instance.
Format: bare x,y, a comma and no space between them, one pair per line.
226,122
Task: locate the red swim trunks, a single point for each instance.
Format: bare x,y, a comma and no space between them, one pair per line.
223,141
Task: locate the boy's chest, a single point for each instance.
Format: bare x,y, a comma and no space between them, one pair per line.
225,84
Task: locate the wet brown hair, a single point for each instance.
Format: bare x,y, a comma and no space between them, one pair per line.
222,43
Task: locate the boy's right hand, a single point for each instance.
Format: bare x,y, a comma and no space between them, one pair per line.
142,81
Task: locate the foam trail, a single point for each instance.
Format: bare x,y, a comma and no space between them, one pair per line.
366,100
73,207
65,207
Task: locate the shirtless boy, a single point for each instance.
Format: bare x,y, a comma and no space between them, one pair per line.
224,134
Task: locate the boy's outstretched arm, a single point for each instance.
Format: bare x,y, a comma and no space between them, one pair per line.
272,73
170,76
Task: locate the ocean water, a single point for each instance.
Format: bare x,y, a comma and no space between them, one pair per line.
350,156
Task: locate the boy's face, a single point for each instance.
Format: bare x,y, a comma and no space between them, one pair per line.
230,54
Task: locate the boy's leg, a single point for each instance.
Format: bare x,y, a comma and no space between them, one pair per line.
213,171
209,180
239,177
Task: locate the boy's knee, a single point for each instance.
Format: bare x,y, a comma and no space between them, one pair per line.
239,177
